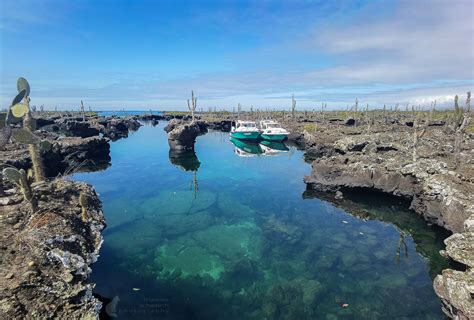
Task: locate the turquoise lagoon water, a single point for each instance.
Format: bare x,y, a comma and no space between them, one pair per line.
214,235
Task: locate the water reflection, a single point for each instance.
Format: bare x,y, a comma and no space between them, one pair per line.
185,160
246,148
264,147
271,148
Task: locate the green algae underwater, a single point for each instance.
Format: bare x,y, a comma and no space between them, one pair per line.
211,235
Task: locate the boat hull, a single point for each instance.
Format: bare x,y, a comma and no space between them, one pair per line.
245,135
274,137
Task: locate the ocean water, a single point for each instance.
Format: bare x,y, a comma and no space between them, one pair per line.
229,232
126,113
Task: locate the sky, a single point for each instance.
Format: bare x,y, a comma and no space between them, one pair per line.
131,54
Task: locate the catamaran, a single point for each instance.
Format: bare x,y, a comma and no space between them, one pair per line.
272,130
245,130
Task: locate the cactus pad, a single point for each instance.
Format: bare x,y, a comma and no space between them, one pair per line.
19,110
12,174
24,136
5,134
22,84
45,145
19,97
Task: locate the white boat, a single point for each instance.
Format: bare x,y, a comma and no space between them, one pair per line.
271,130
245,130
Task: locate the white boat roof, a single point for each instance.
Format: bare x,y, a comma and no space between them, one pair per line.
245,121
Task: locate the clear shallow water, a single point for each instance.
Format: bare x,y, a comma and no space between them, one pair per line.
241,239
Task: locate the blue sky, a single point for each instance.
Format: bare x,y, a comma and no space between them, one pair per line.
151,54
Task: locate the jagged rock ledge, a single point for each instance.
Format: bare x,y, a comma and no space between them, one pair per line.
110,127
455,287
67,154
46,256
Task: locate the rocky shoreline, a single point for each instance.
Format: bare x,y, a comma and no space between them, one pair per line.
47,254
437,189
343,156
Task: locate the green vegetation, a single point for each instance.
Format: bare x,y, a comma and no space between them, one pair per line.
176,113
310,127
20,178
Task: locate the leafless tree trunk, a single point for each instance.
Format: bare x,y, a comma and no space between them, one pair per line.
293,106
192,106
462,119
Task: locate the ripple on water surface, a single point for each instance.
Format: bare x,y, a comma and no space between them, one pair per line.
215,235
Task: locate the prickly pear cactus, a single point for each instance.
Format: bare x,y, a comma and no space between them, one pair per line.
22,84
83,201
5,134
12,174
20,110
19,97
20,178
24,136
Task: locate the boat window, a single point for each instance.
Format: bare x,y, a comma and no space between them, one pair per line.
273,125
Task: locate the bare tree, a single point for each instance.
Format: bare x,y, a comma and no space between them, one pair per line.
368,121
83,112
462,117
192,105
432,110
419,130
356,105
293,106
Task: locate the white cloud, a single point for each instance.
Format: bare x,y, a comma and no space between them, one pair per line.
422,40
